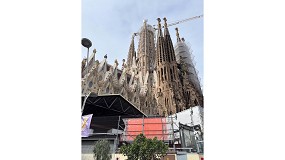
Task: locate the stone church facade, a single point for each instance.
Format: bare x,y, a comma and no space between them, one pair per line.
159,78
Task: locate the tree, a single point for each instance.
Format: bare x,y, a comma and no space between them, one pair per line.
144,149
101,150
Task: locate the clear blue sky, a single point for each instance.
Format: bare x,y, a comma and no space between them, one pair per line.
109,24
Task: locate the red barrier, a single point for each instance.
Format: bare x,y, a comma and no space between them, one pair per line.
151,127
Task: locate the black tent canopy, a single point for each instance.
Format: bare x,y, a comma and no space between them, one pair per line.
109,105
109,111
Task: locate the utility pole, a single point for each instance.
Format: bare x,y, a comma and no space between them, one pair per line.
87,44
115,143
173,135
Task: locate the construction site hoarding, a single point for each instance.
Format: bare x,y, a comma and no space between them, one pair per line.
159,127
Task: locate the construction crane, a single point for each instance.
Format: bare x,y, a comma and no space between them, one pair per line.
180,21
174,23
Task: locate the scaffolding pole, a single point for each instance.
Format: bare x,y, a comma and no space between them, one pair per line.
143,125
173,133
115,142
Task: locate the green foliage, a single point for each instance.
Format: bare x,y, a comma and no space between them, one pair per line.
101,150
144,149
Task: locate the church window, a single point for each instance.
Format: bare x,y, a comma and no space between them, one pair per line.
168,57
196,102
171,74
165,73
90,84
119,75
158,76
162,74
167,102
164,57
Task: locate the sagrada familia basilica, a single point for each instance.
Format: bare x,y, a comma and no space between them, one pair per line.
158,78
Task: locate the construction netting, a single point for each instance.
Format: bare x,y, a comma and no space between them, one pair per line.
159,127
184,53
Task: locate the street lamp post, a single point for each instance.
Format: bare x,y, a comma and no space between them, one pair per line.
87,44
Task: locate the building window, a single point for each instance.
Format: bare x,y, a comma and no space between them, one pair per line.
90,84
119,75
196,102
162,74
165,73
158,76
171,74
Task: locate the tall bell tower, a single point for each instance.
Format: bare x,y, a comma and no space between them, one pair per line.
169,90
146,49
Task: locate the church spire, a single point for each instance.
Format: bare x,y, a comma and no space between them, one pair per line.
169,51
166,32
146,49
131,53
159,34
168,82
177,35
159,44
